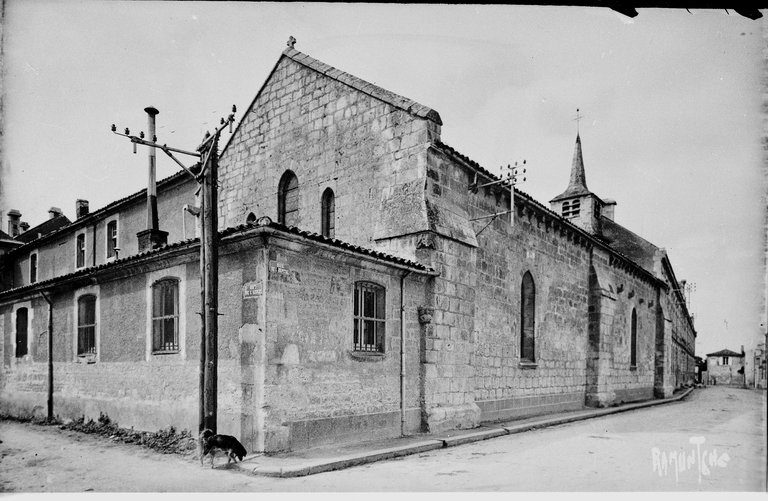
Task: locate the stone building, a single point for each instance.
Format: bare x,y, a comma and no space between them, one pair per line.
380,298
725,367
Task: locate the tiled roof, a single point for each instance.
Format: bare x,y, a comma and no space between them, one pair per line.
388,97
227,232
95,215
628,243
724,353
521,194
44,228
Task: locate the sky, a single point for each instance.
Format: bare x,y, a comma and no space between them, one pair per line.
671,102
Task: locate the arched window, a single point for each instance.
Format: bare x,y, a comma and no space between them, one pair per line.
288,199
369,316
165,315
21,332
86,325
251,218
571,208
328,214
527,318
633,340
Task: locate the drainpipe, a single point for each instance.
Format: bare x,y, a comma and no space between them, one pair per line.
50,356
402,354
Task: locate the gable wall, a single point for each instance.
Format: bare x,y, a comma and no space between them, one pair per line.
329,135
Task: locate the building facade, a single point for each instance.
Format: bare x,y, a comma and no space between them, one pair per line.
381,296
726,367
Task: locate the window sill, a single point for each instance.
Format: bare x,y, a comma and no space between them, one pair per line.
528,365
366,356
166,352
86,358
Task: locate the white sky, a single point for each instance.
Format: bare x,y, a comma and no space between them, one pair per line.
672,104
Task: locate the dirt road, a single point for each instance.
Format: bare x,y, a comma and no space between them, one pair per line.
631,451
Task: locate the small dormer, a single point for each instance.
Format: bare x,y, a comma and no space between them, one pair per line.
577,204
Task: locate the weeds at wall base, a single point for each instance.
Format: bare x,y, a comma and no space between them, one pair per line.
165,441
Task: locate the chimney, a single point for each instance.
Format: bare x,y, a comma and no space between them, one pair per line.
152,237
609,208
13,222
24,226
54,212
81,208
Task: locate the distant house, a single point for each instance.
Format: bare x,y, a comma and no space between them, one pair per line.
725,367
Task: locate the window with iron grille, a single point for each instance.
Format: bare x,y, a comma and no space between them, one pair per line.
370,313
288,199
86,325
527,318
80,250
328,214
111,239
21,332
33,268
165,316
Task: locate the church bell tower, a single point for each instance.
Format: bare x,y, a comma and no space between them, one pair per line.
577,204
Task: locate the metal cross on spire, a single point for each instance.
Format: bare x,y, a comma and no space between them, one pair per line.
577,119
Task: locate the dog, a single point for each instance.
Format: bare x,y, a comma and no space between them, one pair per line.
211,444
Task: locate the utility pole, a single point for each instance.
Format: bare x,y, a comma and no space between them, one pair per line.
509,180
210,249
50,356
205,173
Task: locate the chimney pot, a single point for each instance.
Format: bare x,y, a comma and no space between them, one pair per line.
54,212
609,209
13,222
81,208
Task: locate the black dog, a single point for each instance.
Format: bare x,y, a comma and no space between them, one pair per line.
211,444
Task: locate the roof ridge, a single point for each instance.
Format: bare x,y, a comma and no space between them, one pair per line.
373,90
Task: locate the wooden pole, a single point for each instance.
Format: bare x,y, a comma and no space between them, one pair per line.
201,403
210,222
50,355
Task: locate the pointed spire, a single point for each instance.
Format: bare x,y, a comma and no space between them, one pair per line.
578,177
578,183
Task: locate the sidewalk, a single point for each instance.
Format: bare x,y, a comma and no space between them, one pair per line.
327,458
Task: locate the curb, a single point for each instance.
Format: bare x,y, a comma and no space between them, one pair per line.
323,465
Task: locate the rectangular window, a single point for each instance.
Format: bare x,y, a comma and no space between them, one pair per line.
86,325
80,250
111,239
726,361
165,316
369,317
33,268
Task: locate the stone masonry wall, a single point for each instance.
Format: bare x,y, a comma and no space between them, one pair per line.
370,153
498,383
620,292
147,393
318,390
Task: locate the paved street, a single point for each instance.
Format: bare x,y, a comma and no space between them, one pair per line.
714,440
